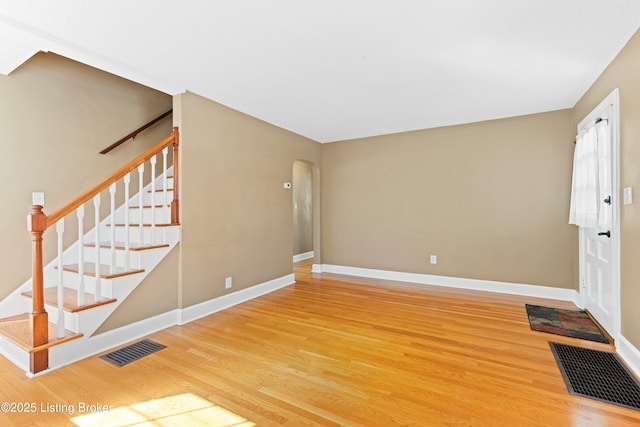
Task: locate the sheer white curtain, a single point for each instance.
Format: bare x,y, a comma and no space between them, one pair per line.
591,183
605,177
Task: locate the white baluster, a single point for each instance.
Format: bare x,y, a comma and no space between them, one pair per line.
96,204
60,231
127,252
165,179
80,214
140,204
153,199
112,231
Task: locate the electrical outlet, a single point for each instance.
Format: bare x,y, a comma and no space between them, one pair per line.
433,259
228,282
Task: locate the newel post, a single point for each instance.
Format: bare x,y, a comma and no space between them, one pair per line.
175,203
38,319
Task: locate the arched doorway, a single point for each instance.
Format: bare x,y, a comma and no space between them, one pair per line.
303,218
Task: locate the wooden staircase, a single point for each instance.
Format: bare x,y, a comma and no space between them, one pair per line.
47,322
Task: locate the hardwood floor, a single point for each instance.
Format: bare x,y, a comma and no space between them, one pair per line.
328,351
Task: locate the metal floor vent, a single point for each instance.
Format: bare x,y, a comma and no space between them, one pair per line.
132,352
598,375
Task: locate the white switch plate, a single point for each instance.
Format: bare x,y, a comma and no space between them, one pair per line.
38,198
627,196
433,259
228,282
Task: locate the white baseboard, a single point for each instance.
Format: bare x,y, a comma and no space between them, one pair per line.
120,336
302,257
629,353
206,308
316,268
457,282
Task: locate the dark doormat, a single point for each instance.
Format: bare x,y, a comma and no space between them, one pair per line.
132,352
569,323
598,375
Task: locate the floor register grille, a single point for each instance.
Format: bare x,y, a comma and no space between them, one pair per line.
132,352
598,375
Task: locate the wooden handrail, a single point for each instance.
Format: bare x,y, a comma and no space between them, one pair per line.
172,139
136,132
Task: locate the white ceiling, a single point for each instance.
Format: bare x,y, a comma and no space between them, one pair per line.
338,69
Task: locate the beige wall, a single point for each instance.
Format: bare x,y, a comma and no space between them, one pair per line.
490,199
55,116
622,73
157,294
302,208
236,215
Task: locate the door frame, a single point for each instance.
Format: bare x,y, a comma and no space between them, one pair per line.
611,103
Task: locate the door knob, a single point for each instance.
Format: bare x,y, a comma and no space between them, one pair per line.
606,233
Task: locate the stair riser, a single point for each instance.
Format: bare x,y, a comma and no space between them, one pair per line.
136,258
20,305
133,188
83,322
106,257
148,197
71,253
110,288
15,354
159,183
89,255
162,215
71,320
71,280
134,234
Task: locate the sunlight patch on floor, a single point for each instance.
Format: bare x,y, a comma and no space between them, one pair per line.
181,410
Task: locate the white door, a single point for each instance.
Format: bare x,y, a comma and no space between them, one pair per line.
599,246
599,291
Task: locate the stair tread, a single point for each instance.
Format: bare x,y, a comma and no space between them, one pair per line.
18,330
71,299
148,206
105,270
160,190
132,246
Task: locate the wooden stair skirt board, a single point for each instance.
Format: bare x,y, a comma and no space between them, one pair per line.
71,299
17,330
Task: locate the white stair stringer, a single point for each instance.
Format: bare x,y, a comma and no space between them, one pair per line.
89,320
